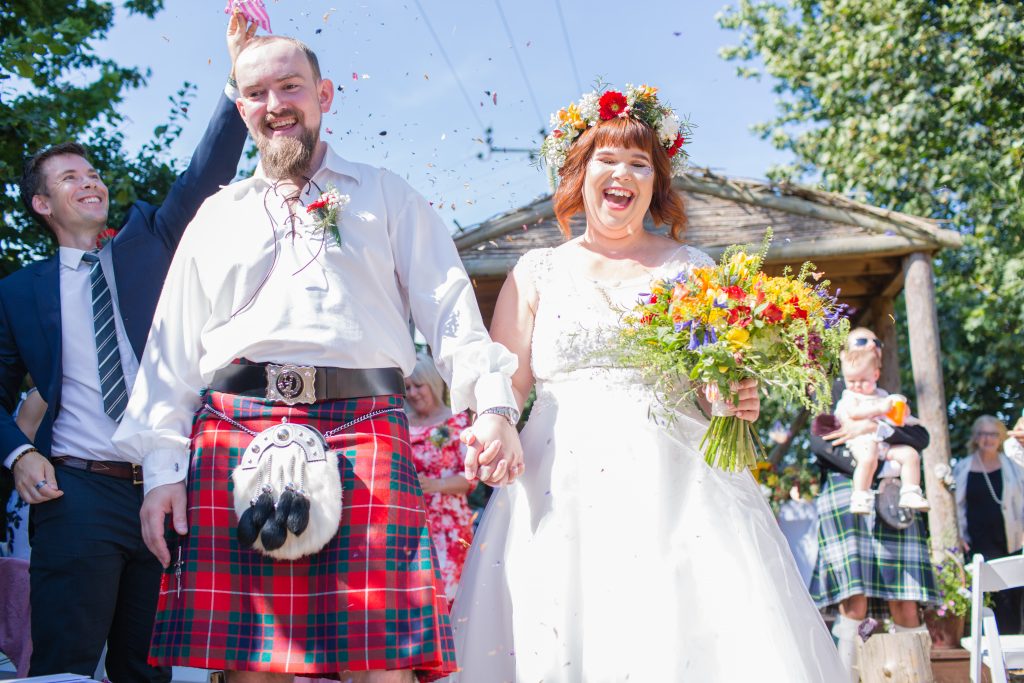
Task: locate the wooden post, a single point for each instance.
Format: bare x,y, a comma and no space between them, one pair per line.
926,358
896,658
884,326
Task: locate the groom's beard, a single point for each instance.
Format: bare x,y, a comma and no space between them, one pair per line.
287,157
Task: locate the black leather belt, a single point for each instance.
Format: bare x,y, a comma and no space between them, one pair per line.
306,384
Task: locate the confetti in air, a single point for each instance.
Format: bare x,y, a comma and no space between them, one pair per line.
252,10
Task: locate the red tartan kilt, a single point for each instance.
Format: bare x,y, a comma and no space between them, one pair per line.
371,599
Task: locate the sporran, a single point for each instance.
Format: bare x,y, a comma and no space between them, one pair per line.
887,504
287,492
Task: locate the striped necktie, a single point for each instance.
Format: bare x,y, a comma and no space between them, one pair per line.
112,386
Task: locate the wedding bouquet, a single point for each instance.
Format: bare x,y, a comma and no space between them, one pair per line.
722,324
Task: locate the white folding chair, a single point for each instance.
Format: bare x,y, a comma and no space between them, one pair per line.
985,644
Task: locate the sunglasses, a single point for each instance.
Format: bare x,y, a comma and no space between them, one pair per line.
861,342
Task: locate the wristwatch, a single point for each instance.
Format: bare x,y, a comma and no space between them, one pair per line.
507,412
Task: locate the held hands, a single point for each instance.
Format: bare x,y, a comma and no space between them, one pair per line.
35,479
161,501
748,406
493,452
239,33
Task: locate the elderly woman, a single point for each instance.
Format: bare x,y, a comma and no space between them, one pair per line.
990,508
437,453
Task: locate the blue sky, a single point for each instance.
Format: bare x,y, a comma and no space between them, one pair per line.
403,106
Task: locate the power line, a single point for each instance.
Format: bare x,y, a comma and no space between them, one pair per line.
568,46
440,46
519,61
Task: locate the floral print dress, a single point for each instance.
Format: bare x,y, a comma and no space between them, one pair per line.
437,453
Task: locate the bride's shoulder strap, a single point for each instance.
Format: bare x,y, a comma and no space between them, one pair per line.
697,258
534,266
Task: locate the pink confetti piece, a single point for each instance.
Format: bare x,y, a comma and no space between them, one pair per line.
252,10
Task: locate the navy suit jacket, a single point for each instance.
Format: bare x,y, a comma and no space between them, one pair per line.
30,317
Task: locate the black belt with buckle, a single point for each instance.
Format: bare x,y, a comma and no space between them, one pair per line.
292,384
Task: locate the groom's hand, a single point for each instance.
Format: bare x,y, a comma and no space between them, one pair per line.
169,499
493,452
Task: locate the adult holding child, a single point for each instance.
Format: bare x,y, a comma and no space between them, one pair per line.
863,399
990,508
862,558
621,555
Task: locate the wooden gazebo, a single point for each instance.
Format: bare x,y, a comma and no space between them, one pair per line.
869,254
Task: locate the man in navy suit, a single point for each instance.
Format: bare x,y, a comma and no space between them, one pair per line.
77,323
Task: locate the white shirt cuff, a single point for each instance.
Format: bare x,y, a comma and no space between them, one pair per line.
167,466
493,390
9,460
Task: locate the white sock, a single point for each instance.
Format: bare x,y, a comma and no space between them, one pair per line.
845,631
910,629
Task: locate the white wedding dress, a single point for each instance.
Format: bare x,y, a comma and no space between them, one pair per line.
619,555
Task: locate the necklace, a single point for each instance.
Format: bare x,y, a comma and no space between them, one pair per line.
988,482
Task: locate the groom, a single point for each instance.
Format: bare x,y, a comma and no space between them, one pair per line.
263,281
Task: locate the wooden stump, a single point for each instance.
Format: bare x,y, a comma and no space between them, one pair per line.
896,658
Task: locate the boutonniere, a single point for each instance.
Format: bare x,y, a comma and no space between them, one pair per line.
440,435
326,211
104,237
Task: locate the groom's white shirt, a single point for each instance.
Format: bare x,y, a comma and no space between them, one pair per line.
319,304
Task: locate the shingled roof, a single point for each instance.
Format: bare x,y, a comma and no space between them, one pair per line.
858,246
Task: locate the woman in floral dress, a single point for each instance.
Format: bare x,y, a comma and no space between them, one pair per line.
438,456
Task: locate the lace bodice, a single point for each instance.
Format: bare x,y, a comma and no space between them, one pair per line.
577,318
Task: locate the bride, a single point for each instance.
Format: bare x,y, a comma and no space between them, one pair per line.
619,555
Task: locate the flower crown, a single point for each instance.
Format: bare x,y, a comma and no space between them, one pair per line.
639,102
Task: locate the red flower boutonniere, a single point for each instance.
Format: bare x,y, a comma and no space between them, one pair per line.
326,210
104,237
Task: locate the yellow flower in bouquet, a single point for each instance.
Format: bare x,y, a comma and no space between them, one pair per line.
719,325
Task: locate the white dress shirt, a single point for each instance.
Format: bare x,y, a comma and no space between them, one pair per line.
243,284
82,428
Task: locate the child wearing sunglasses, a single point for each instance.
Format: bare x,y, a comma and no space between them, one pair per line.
864,399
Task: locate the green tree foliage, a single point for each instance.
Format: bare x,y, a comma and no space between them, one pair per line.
54,87
918,106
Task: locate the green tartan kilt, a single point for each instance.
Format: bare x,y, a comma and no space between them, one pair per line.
862,554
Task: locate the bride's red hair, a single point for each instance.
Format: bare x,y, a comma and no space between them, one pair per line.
666,204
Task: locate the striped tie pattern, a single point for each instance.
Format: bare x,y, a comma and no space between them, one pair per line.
112,386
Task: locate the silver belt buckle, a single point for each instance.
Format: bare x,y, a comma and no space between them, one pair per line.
291,384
